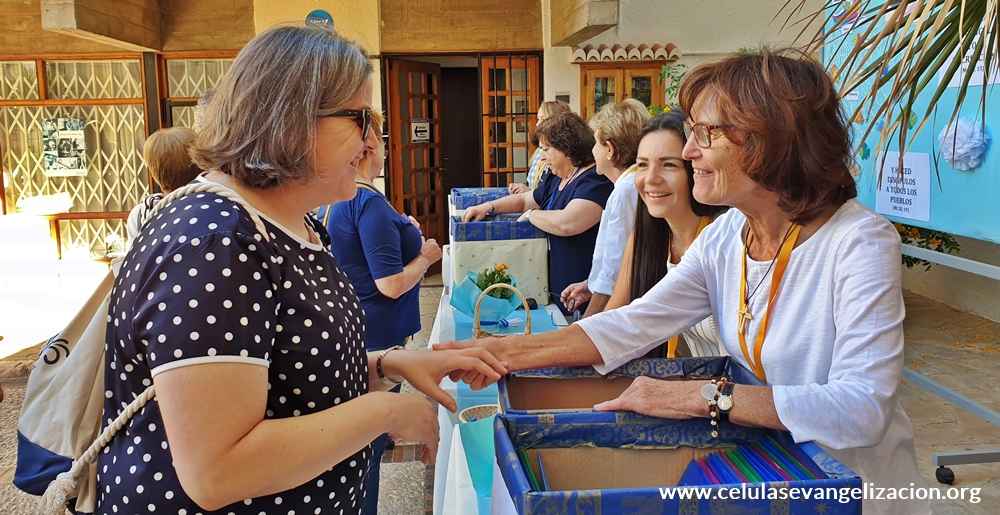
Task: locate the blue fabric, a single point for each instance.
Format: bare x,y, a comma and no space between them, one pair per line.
496,228
492,309
513,433
37,466
570,257
371,241
463,198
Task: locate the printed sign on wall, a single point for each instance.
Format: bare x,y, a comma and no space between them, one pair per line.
420,132
64,148
906,195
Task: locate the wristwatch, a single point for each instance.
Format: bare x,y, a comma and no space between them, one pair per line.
725,401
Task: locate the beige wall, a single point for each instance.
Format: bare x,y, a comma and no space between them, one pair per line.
429,26
702,29
961,290
185,24
357,20
206,24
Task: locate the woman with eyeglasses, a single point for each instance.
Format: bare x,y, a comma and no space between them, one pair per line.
385,256
803,281
239,316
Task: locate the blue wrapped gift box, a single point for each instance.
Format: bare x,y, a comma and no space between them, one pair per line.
463,198
574,391
499,227
630,464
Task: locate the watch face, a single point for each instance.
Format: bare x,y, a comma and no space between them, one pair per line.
708,391
725,403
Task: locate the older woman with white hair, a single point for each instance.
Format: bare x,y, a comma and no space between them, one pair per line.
266,401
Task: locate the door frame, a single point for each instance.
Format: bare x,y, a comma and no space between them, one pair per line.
623,71
386,59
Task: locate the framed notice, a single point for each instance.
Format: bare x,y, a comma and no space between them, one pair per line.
906,193
64,148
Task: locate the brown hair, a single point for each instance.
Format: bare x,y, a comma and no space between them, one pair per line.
167,157
569,134
786,117
260,126
619,124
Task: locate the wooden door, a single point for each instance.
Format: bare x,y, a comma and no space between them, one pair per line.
602,86
416,171
644,85
511,96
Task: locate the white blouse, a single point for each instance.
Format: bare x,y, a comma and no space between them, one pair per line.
703,338
834,348
617,222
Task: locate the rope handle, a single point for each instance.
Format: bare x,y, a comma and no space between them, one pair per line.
199,187
482,296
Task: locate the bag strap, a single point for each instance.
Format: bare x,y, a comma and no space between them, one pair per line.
64,485
202,186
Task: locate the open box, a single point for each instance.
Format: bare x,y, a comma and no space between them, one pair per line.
627,465
575,390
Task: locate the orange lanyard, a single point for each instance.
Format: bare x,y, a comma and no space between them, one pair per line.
675,340
784,255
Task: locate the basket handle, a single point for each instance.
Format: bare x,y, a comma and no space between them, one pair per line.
479,302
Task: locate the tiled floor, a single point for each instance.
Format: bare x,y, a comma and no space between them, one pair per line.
957,350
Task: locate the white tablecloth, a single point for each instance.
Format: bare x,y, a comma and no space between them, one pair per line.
453,490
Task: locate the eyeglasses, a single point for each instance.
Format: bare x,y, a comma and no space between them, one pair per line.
362,117
702,133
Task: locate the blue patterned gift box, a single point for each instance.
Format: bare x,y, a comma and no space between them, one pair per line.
626,431
680,368
463,198
499,227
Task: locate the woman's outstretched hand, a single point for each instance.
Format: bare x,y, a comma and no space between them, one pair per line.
676,400
425,369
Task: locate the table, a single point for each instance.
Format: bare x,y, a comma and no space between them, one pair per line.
453,486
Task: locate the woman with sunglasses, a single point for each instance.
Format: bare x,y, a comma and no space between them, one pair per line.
232,307
385,256
803,281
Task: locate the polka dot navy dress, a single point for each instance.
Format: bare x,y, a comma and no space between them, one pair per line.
202,285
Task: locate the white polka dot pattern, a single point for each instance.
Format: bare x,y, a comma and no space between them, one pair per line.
208,288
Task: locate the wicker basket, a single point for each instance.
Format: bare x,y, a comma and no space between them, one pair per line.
475,319
474,413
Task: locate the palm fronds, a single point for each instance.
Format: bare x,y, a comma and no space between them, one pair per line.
899,47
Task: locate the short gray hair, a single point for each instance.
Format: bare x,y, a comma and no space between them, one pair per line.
260,125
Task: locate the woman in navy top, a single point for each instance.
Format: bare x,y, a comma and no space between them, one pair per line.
382,251
385,257
567,204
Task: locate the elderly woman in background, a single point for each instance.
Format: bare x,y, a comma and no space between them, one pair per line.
167,154
235,311
668,219
567,205
616,134
537,166
802,279
385,256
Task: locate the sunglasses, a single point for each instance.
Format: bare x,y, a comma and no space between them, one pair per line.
702,133
362,117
